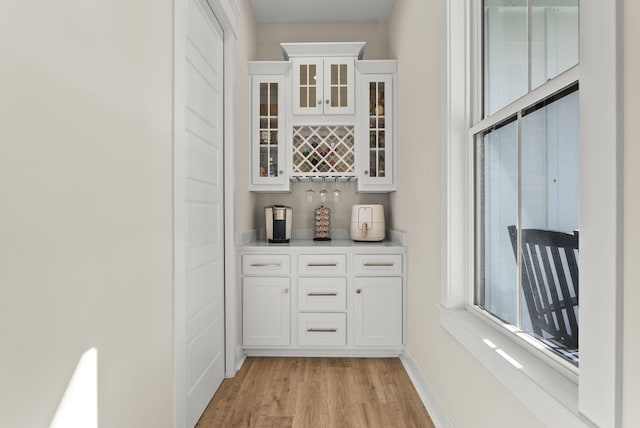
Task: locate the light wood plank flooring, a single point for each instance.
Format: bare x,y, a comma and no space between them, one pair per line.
317,392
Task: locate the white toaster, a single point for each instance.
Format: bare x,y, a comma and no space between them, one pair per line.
367,222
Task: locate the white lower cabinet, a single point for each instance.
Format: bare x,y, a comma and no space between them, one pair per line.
266,311
378,311
298,301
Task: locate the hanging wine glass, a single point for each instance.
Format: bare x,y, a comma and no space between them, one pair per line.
336,192
309,192
323,192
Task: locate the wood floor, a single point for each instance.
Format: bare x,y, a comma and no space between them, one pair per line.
317,392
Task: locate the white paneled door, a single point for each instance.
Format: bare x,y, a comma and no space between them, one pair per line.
203,210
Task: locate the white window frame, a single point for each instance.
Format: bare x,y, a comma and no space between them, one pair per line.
557,394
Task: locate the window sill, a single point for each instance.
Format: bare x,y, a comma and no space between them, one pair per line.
549,394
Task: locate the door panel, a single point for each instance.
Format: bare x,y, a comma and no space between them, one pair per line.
378,311
266,313
204,252
339,85
307,86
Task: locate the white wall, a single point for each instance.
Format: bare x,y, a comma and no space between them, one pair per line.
269,37
470,396
631,339
246,52
245,200
86,216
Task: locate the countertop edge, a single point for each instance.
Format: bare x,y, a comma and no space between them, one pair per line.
252,240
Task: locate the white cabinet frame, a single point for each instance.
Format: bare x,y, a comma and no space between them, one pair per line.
376,71
270,181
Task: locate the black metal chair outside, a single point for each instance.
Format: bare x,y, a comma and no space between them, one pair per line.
550,286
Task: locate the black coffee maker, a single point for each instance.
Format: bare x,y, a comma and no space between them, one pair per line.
278,223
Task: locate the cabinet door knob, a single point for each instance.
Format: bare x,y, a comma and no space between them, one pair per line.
286,291
359,291
326,102
366,172
319,102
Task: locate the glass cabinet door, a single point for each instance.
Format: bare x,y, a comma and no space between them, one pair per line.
268,166
307,86
376,130
267,134
377,152
323,85
338,85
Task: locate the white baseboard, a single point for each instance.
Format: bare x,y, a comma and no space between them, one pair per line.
323,352
240,357
438,416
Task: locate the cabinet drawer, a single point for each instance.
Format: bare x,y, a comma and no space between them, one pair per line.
322,264
378,264
322,329
266,264
322,294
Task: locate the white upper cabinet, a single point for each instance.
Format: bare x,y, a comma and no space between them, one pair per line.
269,170
323,77
323,112
376,169
323,86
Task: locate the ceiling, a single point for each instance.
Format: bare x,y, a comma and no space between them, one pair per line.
312,11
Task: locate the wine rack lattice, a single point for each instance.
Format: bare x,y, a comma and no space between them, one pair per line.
323,149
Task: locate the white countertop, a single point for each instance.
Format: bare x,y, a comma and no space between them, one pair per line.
334,243
303,239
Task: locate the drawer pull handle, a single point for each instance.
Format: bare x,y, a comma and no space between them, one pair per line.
379,264
265,265
321,294
359,291
322,330
322,264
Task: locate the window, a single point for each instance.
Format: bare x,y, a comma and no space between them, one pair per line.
529,97
525,44
526,170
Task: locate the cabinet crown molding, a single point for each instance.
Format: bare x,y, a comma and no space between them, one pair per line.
377,66
268,67
323,49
